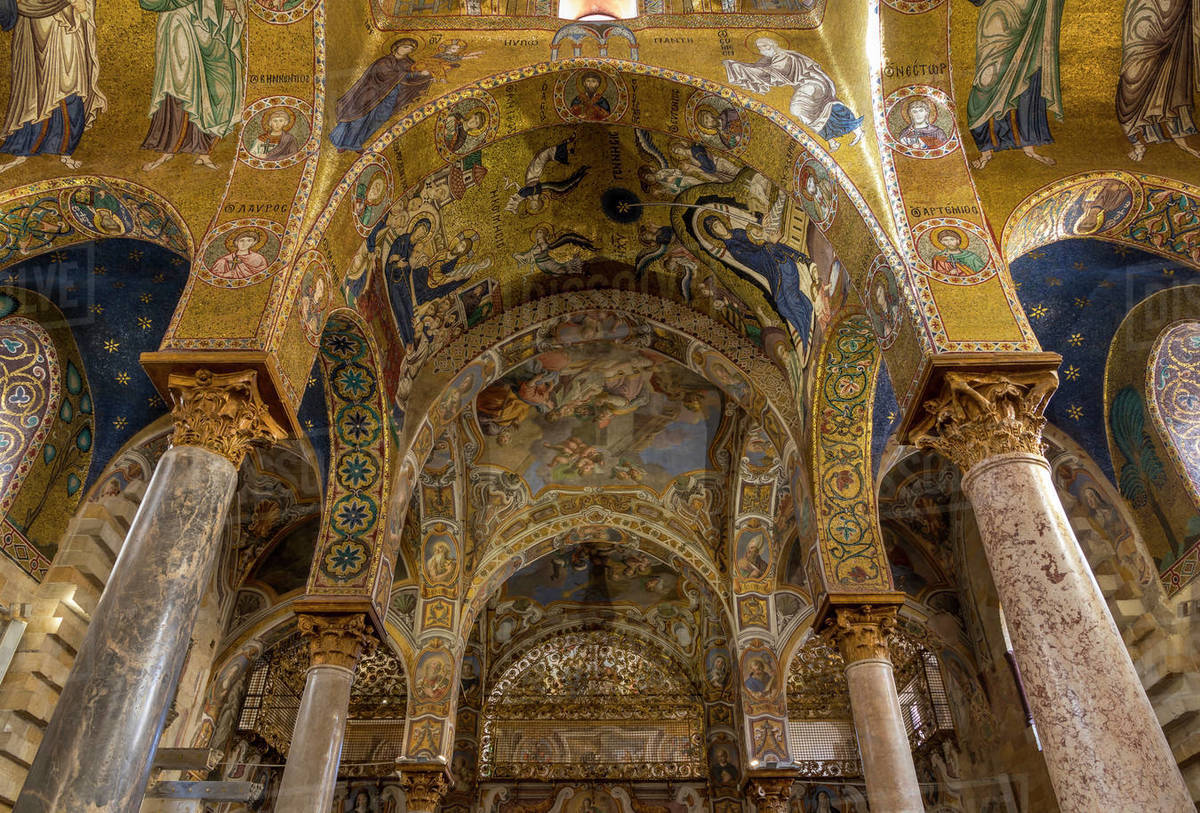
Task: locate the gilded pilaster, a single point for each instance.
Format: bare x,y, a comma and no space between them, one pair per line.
221,412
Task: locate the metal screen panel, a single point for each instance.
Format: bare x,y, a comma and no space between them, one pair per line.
824,747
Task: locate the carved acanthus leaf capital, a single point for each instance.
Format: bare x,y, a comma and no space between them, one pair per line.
862,633
424,786
336,640
978,415
770,793
221,412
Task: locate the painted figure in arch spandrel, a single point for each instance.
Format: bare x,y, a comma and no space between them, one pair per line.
1016,77
814,98
1160,46
199,77
53,93
392,83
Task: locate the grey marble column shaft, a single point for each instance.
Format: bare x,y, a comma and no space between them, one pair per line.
316,750
886,757
97,750
1104,748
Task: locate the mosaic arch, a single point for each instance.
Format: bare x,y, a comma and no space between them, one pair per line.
1174,398
334,224
477,357
353,564
497,566
52,214
1146,212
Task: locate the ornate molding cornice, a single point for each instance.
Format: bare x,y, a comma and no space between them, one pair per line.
862,632
336,640
424,786
770,792
221,412
977,414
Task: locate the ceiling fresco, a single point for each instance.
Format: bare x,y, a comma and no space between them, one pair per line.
599,414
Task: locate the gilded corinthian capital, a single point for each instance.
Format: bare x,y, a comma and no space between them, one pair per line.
221,412
336,640
770,791
980,414
424,785
862,632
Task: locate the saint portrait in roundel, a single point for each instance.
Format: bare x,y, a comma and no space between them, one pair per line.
434,675
277,136
921,130
589,102
920,122
717,123
883,302
370,197
244,259
464,128
590,95
953,255
1101,206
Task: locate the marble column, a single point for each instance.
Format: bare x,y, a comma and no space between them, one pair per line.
424,784
1103,746
861,633
770,791
335,644
99,745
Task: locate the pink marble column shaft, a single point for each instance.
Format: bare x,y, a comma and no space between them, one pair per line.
1104,748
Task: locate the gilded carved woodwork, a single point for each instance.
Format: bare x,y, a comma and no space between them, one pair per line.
336,640
862,632
977,415
221,412
770,792
424,786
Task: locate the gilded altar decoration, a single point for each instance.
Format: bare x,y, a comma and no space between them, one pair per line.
978,415
221,412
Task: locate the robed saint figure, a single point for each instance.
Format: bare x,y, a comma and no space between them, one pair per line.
199,77
53,95
391,84
1016,77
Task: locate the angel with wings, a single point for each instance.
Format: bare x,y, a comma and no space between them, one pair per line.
546,241
688,165
537,187
753,249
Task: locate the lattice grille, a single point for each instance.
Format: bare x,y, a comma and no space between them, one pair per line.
824,747
593,704
378,700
